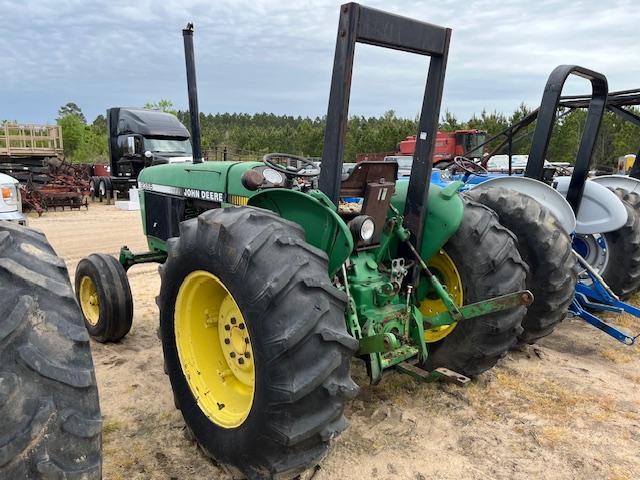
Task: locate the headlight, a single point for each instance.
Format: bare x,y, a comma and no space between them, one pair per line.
366,229
362,227
9,194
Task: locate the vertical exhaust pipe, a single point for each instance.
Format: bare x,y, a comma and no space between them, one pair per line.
194,112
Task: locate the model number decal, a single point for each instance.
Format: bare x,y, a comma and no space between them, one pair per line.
206,195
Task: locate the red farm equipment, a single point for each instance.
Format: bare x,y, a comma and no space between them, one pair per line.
449,145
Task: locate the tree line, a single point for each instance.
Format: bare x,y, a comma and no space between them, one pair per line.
266,132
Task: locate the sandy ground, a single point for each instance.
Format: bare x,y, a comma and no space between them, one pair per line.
568,408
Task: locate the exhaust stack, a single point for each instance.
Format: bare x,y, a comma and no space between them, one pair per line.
194,112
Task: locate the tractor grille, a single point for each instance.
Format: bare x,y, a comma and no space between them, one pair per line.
163,214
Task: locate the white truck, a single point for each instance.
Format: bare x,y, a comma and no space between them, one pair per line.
10,202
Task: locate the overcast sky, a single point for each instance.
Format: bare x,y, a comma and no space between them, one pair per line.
276,56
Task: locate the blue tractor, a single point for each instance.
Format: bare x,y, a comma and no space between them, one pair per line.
580,236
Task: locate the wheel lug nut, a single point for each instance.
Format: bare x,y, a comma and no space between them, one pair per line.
227,341
241,326
227,327
247,354
246,340
233,320
241,360
232,354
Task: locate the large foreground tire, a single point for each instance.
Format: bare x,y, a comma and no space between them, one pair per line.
50,423
488,265
254,340
619,253
546,248
104,295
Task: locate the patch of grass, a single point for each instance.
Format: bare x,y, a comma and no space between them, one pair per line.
110,426
552,435
620,355
616,472
545,398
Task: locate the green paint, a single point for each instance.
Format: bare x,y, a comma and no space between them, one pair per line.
322,225
128,259
208,176
381,342
484,307
444,215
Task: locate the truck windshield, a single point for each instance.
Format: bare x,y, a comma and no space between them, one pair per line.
404,161
472,142
168,145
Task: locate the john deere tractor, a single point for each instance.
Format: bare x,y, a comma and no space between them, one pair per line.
271,284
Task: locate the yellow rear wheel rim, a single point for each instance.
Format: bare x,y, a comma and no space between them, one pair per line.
89,301
443,267
214,349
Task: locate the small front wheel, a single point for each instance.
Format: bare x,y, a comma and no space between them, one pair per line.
104,296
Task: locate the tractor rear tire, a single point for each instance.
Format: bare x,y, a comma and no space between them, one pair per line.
487,259
622,271
108,314
50,423
632,198
546,248
294,316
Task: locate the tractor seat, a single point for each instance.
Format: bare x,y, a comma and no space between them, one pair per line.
365,173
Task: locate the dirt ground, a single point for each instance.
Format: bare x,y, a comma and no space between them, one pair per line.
568,408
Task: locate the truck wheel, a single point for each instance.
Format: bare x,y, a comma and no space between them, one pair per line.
50,423
615,255
254,341
546,248
104,295
479,262
104,187
94,187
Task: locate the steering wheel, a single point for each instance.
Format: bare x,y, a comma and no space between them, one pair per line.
272,160
470,167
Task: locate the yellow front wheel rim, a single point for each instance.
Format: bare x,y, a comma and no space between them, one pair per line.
89,301
214,349
445,269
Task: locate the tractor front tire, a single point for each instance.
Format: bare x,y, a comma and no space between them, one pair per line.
255,342
104,296
50,423
488,264
547,250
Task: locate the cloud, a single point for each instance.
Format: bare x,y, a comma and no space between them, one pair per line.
267,55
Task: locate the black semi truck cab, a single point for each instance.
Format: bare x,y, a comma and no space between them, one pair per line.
139,138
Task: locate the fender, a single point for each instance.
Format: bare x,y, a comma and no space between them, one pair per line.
316,214
543,193
600,211
445,210
619,181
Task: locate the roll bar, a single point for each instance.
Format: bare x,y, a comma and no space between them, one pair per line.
546,121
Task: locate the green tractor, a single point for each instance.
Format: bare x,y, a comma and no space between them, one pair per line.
271,284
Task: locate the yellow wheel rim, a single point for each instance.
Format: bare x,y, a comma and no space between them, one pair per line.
214,349
443,267
89,301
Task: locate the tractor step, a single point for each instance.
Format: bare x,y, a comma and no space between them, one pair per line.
444,374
